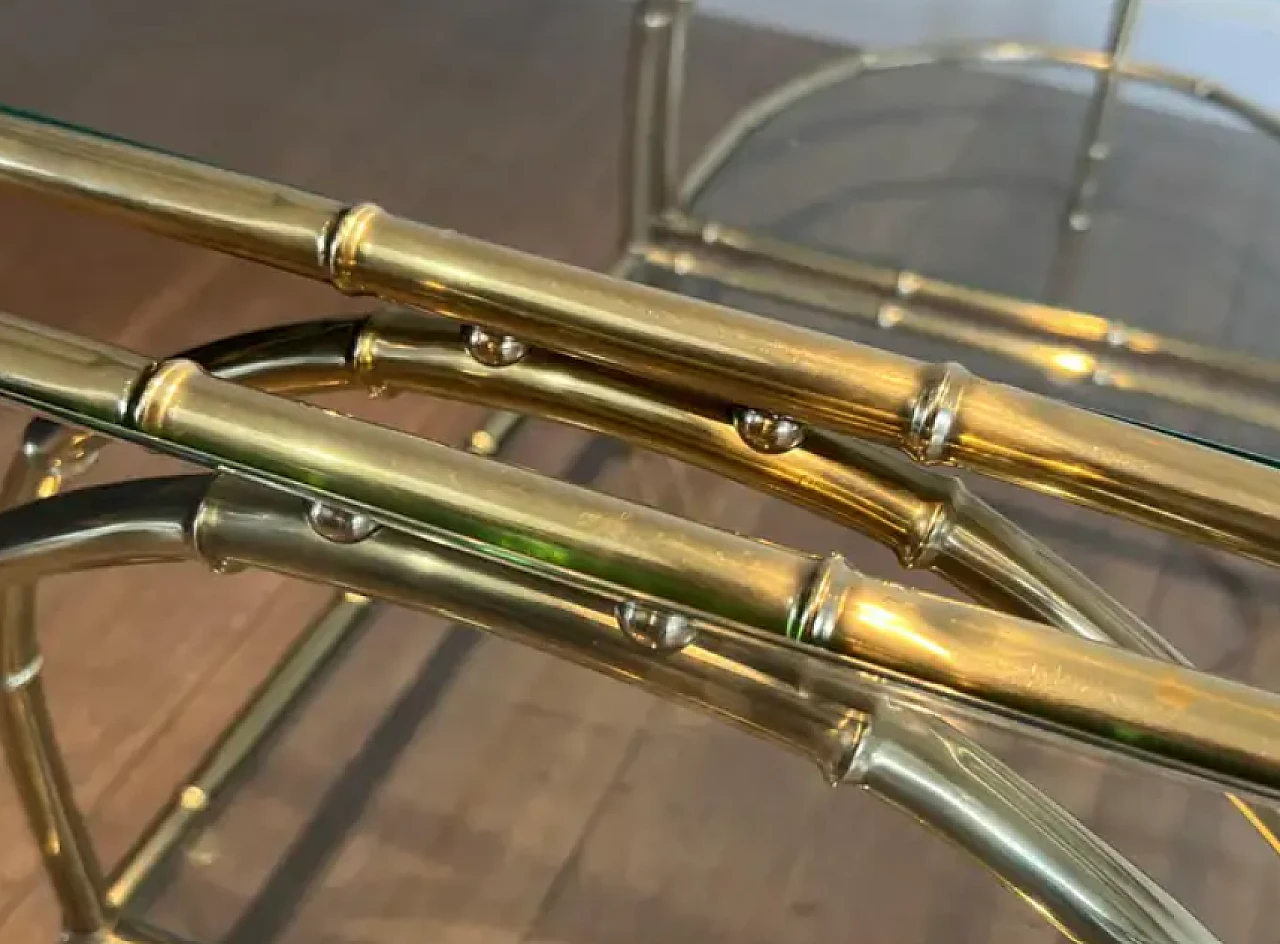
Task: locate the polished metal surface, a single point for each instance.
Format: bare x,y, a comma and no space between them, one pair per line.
999,431
919,763
878,685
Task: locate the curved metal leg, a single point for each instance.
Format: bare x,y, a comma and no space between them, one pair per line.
925,516
96,536
920,765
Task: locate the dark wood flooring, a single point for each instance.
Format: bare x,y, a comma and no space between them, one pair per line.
447,786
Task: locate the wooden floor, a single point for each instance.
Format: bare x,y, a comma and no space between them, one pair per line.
446,786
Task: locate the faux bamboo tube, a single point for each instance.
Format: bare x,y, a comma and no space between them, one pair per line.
965,657
929,519
937,413
1074,879
1069,348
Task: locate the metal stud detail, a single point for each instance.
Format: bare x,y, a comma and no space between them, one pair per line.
654,629
338,524
769,433
493,349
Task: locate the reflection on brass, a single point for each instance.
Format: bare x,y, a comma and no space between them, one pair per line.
864,677
831,716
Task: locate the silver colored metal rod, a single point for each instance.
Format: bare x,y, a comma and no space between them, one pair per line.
918,763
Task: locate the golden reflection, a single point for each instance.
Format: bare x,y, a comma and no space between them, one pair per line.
1072,365
887,621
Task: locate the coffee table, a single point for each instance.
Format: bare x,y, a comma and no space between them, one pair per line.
484,792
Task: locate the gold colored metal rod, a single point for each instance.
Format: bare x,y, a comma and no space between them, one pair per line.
928,518
966,657
1094,148
1126,360
50,455
104,536
308,358
759,113
938,413
923,766
903,290
655,88
317,646
1037,848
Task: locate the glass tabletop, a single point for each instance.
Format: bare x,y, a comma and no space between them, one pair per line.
442,784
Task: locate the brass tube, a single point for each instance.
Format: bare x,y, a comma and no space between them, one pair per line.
50,455
315,648
967,656
937,413
1074,879
1068,347
655,87
1093,147
104,535
1034,846
760,112
929,519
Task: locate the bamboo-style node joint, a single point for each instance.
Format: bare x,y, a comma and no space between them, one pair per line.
654,629
97,936
491,348
768,433
818,613
907,284
339,525
931,421
341,242
1118,334
929,531
158,390
20,678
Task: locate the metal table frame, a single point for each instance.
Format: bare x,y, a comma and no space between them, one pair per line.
660,231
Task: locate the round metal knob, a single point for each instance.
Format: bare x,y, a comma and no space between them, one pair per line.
650,628
767,432
338,524
492,349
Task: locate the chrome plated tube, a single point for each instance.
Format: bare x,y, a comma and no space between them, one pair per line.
957,656
1037,848
937,413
